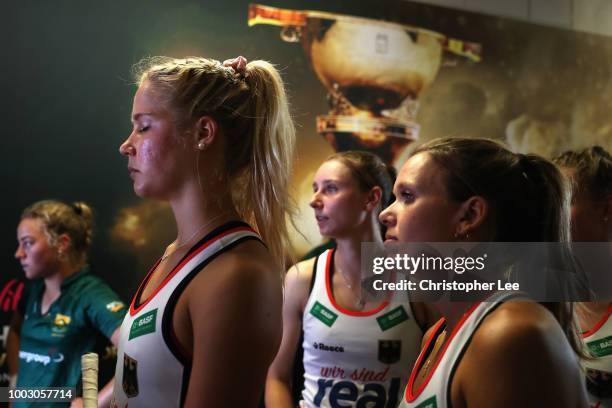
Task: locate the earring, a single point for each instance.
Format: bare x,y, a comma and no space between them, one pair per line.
460,237
201,145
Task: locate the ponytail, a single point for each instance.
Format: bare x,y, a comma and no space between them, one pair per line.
263,197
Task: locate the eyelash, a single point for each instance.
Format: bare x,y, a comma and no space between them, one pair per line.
328,189
406,196
143,129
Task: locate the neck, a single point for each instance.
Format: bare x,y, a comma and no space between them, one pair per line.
348,250
53,283
197,213
452,312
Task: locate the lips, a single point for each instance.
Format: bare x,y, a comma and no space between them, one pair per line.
390,238
132,170
321,218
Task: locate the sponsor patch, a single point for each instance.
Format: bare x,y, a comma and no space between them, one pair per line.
601,347
325,347
428,403
115,306
144,324
392,318
62,320
389,351
323,314
60,325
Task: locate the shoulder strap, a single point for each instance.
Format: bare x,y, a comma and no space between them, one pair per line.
314,274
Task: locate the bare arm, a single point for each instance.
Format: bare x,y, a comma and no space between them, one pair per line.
519,358
106,393
236,318
278,382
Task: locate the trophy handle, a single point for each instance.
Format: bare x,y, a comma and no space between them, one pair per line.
291,33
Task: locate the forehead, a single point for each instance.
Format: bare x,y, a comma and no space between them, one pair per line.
29,226
146,100
422,172
333,170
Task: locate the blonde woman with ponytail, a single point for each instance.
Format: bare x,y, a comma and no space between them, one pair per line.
215,140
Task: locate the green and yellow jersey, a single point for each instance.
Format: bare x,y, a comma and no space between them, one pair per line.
84,316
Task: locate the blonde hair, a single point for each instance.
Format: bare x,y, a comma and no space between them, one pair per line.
74,220
253,114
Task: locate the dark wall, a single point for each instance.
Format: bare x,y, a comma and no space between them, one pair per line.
66,93
66,101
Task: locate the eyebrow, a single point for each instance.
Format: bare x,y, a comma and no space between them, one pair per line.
326,181
403,185
137,116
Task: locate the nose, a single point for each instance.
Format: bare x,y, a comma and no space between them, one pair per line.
19,253
387,216
315,201
127,148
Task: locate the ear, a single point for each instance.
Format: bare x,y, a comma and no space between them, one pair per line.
205,130
63,243
471,215
373,198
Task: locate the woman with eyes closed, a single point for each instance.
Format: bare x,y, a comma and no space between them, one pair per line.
503,352
216,142
351,358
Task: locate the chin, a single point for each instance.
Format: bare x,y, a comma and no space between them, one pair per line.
32,275
326,232
143,192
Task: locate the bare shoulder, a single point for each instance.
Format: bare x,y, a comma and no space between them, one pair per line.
513,322
247,270
297,284
301,273
520,330
520,344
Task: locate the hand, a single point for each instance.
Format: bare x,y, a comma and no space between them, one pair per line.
76,403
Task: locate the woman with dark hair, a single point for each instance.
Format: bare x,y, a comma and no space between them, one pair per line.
350,357
590,171
216,142
506,351
66,311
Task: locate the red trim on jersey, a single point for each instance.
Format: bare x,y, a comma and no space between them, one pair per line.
177,268
330,295
409,395
600,323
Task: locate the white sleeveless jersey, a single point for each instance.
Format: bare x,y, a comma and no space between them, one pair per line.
434,392
355,359
599,371
152,370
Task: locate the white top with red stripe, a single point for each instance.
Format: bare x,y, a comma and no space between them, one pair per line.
434,392
152,370
599,370
355,359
